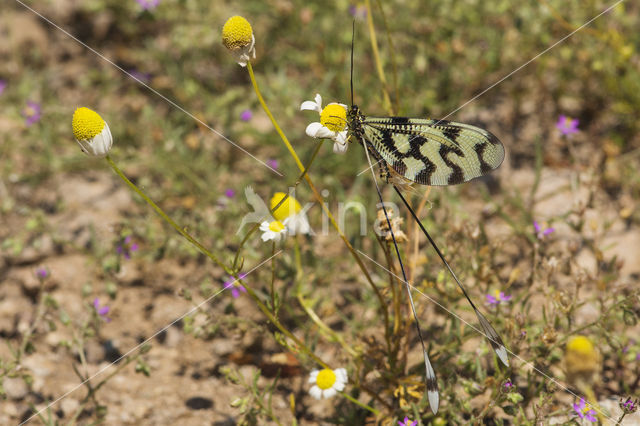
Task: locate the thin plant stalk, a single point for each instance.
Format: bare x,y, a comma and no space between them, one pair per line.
203,249
376,57
316,194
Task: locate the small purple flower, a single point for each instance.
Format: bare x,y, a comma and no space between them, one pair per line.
508,386
3,85
497,298
32,113
629,406
406,421
567,125
541,233
42,273
246,115
126,247
584,411
101,311
273,163
139,75
358,11
148,4
235,288
230,193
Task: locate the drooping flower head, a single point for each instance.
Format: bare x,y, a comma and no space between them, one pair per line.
567,125
332,125
326,382
237,36
91,132
584,411
290,211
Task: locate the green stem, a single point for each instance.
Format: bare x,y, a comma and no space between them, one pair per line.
314,190
165,217
365,406
376,57
277,206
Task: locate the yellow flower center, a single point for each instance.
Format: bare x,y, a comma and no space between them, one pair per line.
334,117
326,378
236,33
276,226
86,124
580,345
289,207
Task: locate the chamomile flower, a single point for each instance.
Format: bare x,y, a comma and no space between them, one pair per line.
326,382
291,211
274,230
91,132
332,125
237,36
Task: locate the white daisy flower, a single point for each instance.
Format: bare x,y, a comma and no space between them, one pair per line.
91,132
274,230
292,212
326,382
237,36
332,125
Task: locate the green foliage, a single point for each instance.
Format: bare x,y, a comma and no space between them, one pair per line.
312,300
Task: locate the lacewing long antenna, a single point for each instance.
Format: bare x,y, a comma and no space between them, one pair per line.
353,36
430,374
490,333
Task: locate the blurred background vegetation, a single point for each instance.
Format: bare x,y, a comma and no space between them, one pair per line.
436,56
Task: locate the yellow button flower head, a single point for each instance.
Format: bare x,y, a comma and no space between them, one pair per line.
291,211
274,230
91,132
237,36
332,125
326,382
581,358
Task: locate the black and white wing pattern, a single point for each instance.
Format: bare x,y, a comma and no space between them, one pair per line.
433,152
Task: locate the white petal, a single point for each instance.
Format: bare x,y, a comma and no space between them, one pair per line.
298,224
338,385
342,137
312,129
264,226
310,106
323,132
341,374
340,148
315,392
328,393
99,145
318,100
313,376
